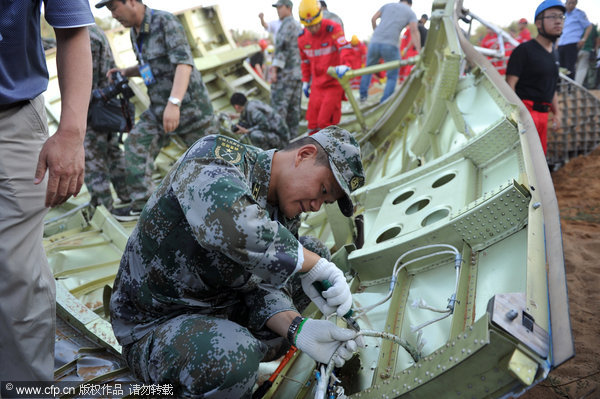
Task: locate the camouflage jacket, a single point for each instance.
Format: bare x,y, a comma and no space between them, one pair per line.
102,57
333,17
207,242
287,55
260,116
162,44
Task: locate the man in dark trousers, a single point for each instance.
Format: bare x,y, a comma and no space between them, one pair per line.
422,29
532,71
576,30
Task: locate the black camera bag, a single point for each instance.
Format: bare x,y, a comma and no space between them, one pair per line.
114,115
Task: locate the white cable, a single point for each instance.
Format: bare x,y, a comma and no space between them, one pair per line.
414,353
451,301
396,270
420,326
395,273
324,381
421,304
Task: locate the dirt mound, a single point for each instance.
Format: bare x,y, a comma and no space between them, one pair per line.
577,187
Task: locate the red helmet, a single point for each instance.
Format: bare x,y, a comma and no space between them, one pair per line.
522,21
263,44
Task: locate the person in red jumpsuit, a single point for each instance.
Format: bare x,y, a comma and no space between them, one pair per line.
490,40
524,34
358,59
406,52
322,44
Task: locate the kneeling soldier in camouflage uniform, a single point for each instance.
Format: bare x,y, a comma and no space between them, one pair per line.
205,286
263,126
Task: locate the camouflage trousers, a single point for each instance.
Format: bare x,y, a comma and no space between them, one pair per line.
265,140
142,145
286,96
206,356
104,164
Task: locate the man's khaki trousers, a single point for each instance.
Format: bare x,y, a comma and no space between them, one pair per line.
27,291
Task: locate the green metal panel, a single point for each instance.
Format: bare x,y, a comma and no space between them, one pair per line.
501,268
448,160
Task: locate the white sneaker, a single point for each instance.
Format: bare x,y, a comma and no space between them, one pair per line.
125,214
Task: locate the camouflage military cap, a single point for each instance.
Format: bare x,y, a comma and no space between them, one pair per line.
283,3
344,158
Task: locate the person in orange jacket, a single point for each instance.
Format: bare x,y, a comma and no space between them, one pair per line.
322,44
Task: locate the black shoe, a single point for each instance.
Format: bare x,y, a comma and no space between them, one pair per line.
125,214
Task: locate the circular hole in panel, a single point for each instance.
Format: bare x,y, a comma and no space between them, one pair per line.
403,197
443,180
435,216
389,234
417,206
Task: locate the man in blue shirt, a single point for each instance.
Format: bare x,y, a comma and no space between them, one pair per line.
28,307
385,42
576,31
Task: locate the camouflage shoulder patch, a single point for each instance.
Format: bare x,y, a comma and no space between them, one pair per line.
229,150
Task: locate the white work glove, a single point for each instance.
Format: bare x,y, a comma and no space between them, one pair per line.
306,88
321,339
340,70
337,298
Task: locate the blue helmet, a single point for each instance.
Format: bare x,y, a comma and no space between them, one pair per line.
546,4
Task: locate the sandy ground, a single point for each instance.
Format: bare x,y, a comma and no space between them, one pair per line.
577,187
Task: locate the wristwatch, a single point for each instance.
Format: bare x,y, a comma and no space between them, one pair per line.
175,101
293,328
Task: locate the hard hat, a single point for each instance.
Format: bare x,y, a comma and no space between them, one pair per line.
546,4
522,21
270,48
263,44
310,12
354,41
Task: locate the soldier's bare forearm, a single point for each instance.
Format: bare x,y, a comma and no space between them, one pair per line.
181,80
310,259
280,322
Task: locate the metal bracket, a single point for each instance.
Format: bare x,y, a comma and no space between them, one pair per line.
508,311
